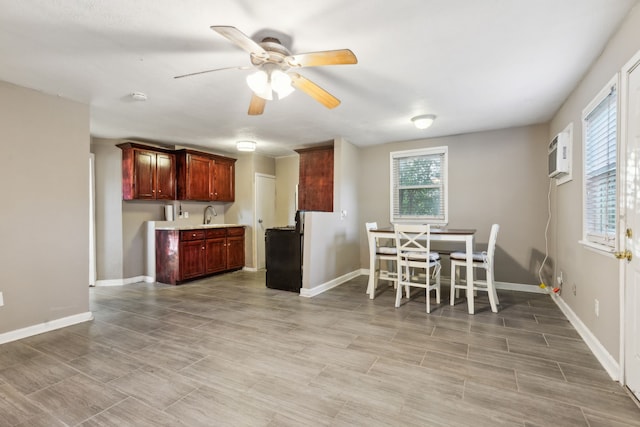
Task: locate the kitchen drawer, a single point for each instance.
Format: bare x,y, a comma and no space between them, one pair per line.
235,231
216,233
186,235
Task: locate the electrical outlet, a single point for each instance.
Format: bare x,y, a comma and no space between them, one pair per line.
186,214
560,279
1,300
597,308
573,289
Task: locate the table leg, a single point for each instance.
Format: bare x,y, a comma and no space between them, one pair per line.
371,290
469,247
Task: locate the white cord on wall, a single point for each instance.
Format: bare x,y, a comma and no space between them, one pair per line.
546,238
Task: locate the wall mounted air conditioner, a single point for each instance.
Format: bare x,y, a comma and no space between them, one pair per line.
559,155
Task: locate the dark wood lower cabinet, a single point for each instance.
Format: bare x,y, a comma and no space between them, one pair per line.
183,255
216,254
235,248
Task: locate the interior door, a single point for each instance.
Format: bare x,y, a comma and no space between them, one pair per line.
265,213
632,189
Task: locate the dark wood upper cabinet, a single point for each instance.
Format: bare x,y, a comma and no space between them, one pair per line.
224,180
315,184
154,173
147,173
165,176
205,177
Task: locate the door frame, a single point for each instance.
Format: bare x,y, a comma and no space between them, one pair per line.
630,66
255,212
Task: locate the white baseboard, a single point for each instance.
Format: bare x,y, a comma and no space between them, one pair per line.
252,269
507,286
604,357
317,290
51,325
520,287
128,281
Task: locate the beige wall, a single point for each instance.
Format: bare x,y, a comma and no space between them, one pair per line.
108,208
287,173
594,275
44,163
494,177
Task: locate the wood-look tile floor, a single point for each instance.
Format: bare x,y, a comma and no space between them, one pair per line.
228,351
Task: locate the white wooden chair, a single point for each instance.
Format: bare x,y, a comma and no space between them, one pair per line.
383,253
483,260
417,265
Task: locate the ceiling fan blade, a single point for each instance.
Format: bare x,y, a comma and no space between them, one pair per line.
241,39
256,106
327,57
211,71
314,91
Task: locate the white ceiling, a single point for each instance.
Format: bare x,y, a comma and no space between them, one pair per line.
476,64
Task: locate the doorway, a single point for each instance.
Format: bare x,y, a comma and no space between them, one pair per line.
265,215
630,129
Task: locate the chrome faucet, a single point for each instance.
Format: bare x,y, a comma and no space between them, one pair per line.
207,218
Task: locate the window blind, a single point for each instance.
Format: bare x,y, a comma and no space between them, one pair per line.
418,185
600,165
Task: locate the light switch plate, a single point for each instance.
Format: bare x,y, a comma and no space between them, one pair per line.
1,300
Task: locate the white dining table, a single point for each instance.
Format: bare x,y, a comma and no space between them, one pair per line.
465,235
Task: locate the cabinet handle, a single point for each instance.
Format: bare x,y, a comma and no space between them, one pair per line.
193,235
203,248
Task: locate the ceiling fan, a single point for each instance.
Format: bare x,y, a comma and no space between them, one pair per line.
275,67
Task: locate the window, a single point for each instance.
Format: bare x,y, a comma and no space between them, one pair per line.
419,185
600,169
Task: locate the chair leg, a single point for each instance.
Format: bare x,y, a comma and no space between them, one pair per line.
399,287
438,288
491,290
428,300
454,271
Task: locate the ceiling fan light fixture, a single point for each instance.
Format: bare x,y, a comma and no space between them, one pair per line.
246,146
281,83
258,82
424,121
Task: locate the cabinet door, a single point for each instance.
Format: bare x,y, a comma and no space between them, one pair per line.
199,177
224,179
216,255
315,186
144,174
235,248
165,176
192,259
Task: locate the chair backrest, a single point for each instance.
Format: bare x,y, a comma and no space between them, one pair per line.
491,247
371,226
412,238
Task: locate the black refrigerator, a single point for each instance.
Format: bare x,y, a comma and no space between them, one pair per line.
283,250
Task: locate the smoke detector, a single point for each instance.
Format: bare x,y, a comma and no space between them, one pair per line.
139,96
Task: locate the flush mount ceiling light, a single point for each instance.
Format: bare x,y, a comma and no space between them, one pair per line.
424,121
246,145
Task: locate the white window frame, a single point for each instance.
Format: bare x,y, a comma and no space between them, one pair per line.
599,242
444,151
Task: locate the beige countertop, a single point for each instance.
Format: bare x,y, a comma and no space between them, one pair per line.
195,226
